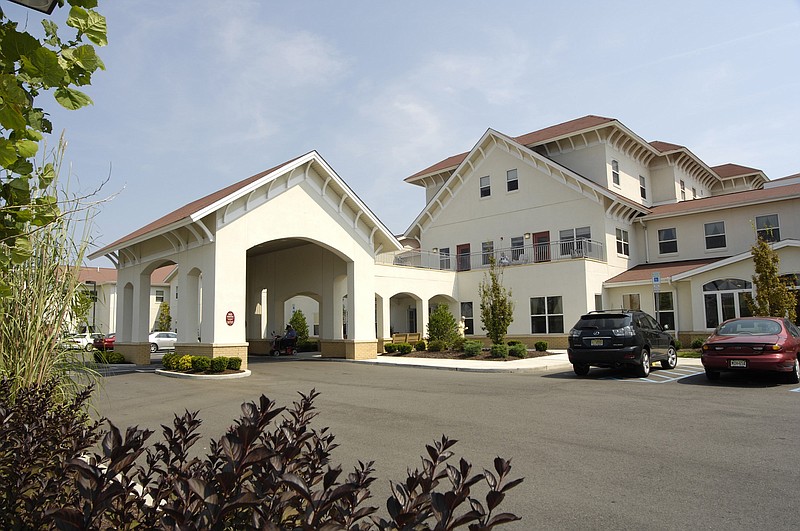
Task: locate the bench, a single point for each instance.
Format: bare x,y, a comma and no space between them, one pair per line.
411,337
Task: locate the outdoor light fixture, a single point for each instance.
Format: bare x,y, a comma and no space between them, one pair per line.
435,250
527,235
43,6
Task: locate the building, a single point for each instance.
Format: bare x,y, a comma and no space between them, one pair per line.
582,215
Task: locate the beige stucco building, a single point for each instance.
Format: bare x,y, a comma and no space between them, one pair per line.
581,215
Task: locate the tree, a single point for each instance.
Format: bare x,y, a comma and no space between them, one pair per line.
164,320
497,308
773,296
298,322
29,67
442,326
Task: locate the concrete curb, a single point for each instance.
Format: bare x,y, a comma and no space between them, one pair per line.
169,374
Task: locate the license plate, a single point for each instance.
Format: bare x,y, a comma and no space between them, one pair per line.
742,364
597,342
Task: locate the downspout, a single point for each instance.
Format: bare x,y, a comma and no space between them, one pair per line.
675,306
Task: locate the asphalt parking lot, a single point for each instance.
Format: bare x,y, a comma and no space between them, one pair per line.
672,451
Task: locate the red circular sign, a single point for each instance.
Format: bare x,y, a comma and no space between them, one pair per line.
229,318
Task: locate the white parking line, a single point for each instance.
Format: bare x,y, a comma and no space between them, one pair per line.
795,390
662,376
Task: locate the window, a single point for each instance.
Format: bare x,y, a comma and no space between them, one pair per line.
667,241
715,235
615,172
623,245
683,191
575,242
642,187
665,311
466,313
547,315
176,292
598,301
487,250
486,189
768,228
694,192
444,258
512,183
725,299
517,247
631,301
159,295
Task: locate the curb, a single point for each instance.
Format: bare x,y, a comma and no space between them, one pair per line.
169,374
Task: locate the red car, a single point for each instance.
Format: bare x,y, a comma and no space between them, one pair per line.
753,344
104,343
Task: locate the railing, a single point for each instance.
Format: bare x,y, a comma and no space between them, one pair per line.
510,256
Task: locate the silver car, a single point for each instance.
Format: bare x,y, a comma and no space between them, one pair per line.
162,341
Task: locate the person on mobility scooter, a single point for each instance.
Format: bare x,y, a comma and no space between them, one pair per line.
286,343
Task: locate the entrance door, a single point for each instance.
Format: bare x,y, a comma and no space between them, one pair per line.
463,257
541,246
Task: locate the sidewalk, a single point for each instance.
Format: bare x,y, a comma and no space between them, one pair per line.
557,360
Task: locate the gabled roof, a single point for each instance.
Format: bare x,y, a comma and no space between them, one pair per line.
536,137
735,199
620,208
108,275
666,147
193,212
733,170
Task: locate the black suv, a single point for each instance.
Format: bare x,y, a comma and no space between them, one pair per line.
616,338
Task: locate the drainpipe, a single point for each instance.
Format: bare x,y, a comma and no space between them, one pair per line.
646,242
675,307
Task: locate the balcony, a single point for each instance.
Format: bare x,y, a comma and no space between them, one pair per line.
558,251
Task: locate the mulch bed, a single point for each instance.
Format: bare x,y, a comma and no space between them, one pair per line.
456,355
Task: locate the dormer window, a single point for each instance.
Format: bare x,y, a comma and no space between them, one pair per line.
615,172
642,187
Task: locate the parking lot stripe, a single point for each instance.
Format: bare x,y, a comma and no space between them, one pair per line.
796,390
662,376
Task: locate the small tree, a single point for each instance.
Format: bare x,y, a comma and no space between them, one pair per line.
497,308
773,296
164,321
300,325
442,326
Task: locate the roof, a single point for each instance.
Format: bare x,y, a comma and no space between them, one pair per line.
108,275
644,272
528,139
733,170
789,191
186,211
665,147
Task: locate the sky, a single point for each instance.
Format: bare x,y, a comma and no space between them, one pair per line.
200,94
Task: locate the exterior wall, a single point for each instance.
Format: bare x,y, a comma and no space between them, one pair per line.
739,231
590,162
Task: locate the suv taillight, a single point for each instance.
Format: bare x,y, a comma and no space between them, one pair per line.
575,333
625,331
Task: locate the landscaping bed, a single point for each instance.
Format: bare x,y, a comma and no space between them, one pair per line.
484,355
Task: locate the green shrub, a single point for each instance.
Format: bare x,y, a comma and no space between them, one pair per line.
678,344
300,325
697,344
234,363
540,346
419,346
169,361
390,348
201,363
518,350
513,342
108,357
219,364
404,348
307,345
442,325
184,363
458,343
437,345
472,348
499,351
56,474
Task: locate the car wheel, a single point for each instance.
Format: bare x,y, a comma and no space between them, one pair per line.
644,366
89,347
153,348
276,352
581,369
794,376
712,375
672,359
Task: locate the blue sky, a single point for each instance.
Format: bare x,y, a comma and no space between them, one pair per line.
200,94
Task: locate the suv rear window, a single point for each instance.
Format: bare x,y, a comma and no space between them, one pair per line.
603,322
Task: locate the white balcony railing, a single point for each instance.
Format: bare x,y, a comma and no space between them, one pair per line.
511,256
